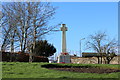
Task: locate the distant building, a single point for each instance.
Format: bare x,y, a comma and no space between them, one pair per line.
92,58
90,54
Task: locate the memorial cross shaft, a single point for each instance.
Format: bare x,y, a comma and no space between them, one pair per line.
64,29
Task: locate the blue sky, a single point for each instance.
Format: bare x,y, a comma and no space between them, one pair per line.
83,19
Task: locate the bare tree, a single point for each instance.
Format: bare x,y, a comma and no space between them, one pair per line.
29,22
7,31
103,46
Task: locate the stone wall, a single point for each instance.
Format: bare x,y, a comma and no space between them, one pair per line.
115,60
92,60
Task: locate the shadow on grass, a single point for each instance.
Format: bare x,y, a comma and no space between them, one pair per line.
8,64
10,73
63,66
63,77
15,73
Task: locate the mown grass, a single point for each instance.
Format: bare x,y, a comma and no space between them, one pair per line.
34,70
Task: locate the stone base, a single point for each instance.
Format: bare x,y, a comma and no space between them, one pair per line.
64,58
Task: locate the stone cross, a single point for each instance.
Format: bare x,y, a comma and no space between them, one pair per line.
64,29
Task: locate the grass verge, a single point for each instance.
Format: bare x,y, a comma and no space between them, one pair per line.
34,70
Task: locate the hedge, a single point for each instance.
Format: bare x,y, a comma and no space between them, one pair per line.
21,57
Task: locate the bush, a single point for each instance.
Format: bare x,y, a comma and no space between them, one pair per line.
5,56
40,59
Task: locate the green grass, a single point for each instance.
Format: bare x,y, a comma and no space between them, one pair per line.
34,70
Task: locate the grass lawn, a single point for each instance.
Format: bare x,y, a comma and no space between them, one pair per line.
34,70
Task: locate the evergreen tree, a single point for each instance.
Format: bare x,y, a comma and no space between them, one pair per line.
43,48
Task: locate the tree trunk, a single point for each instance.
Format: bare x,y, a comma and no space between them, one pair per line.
101,59
12,45
98,60
30,56
108,62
